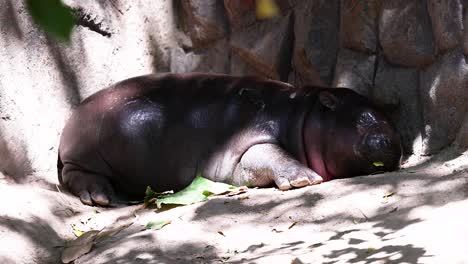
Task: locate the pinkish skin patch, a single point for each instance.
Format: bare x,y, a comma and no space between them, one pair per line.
317,165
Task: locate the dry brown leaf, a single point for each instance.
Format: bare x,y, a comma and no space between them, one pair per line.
110,231
293,224
84,244
237,191
240,190
282,229
80,246
277,230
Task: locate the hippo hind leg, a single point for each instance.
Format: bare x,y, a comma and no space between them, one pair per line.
92,188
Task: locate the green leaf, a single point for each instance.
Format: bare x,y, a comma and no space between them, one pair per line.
197,191
151,196
53,16
378,164
77,232
156,225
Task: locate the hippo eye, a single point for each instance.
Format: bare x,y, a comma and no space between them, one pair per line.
366,119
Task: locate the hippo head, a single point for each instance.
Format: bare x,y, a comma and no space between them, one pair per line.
346,135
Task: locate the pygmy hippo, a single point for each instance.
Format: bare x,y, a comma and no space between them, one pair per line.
163,130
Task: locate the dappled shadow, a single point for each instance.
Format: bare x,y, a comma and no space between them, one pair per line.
6,260
14,162
69,77
39,232
263,210
145,248
9,21
271,251
351,250
268,207
387,254
406,254
447,154
340,235
427,174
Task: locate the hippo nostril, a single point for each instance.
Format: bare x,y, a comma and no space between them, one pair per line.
379,149
386,141
376,141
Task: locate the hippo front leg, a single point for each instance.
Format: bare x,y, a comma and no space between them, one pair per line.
93,189
265,164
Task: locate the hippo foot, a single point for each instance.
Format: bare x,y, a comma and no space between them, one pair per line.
296,179
265,164
92,189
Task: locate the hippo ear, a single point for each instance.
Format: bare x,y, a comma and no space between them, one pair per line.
328,100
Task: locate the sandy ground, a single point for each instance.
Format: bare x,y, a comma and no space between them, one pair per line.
416,215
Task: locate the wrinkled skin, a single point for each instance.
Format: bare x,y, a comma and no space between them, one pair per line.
160,131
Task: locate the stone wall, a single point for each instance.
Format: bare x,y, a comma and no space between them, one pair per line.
407,55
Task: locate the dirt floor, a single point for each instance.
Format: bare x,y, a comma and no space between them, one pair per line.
416,215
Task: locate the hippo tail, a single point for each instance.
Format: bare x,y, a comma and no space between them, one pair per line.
59,169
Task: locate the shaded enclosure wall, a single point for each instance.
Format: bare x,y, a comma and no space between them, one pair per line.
407,55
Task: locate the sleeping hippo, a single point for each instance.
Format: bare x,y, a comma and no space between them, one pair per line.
163,130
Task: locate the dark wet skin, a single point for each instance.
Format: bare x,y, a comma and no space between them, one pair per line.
160,131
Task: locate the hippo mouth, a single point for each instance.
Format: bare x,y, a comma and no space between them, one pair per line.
318,165
313,148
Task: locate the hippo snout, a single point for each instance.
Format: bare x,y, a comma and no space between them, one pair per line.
382,150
